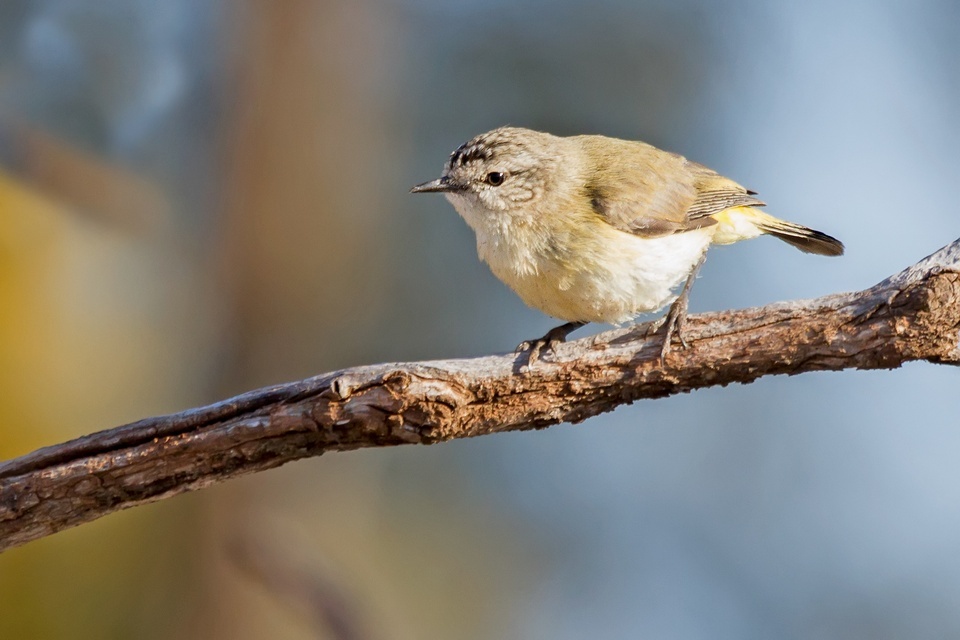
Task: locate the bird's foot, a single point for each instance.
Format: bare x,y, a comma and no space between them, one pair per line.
676,318
546,344
673,324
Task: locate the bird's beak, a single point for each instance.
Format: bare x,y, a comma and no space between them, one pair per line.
440,185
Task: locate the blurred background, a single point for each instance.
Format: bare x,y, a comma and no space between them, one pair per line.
200,197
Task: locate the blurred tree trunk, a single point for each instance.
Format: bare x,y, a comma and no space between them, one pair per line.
304,138
305,155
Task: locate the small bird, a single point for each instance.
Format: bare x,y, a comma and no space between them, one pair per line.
596,229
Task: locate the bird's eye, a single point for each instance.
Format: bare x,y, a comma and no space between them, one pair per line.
495,178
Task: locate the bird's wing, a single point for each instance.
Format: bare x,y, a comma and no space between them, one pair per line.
648,192
716,193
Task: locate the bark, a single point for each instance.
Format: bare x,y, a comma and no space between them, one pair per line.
914,315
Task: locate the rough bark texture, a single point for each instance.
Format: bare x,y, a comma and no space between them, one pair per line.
914,315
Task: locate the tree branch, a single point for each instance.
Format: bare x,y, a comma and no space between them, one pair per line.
914,315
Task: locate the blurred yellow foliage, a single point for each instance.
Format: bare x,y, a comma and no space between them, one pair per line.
82,327
98,325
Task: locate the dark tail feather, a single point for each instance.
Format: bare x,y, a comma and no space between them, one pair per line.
803,238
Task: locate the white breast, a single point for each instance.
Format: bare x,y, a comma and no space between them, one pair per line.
589,272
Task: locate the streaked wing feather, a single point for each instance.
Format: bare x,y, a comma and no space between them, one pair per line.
653,193
716,193
711,202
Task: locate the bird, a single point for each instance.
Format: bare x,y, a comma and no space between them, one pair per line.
590,228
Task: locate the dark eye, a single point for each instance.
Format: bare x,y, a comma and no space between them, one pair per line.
495,178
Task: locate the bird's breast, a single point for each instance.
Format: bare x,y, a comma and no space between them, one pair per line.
590,271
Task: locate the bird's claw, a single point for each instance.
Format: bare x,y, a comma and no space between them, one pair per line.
676,318
538,347
535,347
546,344
673,324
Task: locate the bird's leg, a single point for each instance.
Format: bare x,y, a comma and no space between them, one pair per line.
547,343
676,317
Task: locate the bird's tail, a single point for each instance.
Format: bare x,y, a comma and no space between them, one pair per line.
734,225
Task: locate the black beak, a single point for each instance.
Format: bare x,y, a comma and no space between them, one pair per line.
440,185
